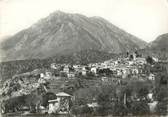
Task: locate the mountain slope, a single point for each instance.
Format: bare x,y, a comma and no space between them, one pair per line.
62,33
157,48
160,46
11,68
161,43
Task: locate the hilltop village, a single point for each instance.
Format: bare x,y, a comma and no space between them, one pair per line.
131,85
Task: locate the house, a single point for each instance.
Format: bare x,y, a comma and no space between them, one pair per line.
141,61
151,77
64,100
76,67
46,75
53,66
155,59
66,69
130,62
134,56
134,70
119,72
116,62
150,96
125,72
53,106
104,79
61,105
41,81
93,105
152,106
104,65
71,75
42,75
84,72
94,70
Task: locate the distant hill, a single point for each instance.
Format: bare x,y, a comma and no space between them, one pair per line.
160,44
62,34
157,48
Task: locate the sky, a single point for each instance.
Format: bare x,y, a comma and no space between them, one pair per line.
146,19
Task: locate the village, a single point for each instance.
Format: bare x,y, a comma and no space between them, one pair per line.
95,88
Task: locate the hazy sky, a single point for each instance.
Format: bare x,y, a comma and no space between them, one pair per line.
145,19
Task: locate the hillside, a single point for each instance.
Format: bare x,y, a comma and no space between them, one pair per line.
161,43
62,33
10,68
158,47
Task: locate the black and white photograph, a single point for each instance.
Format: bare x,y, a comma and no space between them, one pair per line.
83,58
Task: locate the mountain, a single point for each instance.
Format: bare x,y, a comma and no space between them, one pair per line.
160,44
157,48
62,33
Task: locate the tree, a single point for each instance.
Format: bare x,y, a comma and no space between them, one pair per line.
142,93
131,57
139,108
120,109
81,110
161,108
106,98
46,97
127,54
12,104
161,94
150,60
161,80
71,86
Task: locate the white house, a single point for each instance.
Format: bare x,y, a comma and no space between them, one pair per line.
84,71
130,62
41,81
119,72
53,66
104,65
125,73
141,61
155,59
71,75
61,105
150,96
104,79
151,77
64,102
93,105
46,75
66,69
94,70
53,106
134,71
152,106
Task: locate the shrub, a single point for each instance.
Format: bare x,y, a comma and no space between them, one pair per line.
161,108
140,108
81,110
120,109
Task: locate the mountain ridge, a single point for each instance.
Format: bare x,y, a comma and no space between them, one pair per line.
64,33
157,48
